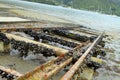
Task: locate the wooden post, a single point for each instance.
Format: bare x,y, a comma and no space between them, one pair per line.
1,46
4,48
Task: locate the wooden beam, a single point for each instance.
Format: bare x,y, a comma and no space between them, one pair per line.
57,50
10,71
76,66
47,70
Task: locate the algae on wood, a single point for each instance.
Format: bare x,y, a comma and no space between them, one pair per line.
1,46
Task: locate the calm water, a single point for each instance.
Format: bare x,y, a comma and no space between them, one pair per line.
111,24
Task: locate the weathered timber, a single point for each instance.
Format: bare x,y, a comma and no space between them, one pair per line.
34,25
94,59
68,34
49,38
10,71
47,70
56,49
88,31
76,66
2,46
23,28
82,33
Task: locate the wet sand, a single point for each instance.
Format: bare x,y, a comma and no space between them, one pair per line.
12,19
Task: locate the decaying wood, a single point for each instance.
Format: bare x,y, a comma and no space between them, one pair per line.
47,70
10,71
56,49
34,25
8,29
76,66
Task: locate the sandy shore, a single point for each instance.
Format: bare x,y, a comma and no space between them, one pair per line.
12,19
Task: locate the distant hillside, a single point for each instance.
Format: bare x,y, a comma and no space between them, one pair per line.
103,6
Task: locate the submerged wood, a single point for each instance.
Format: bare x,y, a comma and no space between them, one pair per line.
10,71
47,70
76,66
57,50
23,28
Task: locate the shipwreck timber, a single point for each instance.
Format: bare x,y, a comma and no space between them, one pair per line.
82,43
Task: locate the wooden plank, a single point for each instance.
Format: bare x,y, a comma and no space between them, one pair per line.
57,50
10,71
47,70
100,61
1,46
68,75
41,73
28,27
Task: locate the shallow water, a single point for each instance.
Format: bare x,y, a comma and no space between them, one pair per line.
6,60
111,68
109,23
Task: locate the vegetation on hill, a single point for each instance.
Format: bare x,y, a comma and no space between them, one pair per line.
103,6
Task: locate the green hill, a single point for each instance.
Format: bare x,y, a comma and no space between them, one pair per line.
103,6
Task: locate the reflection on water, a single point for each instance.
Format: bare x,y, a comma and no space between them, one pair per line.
111,24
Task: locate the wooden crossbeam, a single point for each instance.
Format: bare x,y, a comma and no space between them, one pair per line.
68,75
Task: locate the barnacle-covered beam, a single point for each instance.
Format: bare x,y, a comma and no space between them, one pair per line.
57,50
50,38
68,75
9,73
